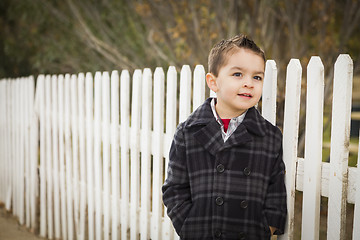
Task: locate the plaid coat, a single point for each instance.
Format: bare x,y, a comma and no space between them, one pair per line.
231,190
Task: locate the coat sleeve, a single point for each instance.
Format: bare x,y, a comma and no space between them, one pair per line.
275,202
176,189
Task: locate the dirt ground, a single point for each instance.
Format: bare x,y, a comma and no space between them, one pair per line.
11,230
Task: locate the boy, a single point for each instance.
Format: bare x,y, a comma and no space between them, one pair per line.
226,173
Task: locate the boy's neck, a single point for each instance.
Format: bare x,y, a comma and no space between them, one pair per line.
226,114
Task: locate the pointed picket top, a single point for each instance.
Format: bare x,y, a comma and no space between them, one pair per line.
270,92
185,93
199,86
339,149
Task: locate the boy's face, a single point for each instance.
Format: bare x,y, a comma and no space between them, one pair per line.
239,83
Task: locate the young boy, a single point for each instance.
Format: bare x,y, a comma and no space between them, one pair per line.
226,173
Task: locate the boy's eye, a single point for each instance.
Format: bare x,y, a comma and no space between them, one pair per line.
237,74
258,78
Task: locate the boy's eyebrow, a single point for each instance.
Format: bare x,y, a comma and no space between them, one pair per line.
239,68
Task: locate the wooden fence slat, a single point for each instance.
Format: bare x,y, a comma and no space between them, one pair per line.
135,154
290,137
125,111
55,154
2,140
185,93
340,133
269,94
115,97
63,195
68,157
313,149
34,135
356,223
158,123
27,117
49,163
146,153
171,106
106,151
199,86
97,156
82,155
89,86
75,149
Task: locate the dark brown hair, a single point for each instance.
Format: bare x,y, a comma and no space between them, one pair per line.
220,51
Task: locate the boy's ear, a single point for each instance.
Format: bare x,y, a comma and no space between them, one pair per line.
211,82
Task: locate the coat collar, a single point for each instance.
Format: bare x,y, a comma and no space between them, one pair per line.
209,134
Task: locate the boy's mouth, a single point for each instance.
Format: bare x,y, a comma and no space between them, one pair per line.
245,95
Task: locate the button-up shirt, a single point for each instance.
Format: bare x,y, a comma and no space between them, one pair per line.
233,124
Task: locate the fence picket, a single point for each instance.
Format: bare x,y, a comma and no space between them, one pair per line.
82,155
268,108
106,151
146,153
135,154
340,133
313,149
27,101
63,195
171,106
55,154
68,157
97,156
114,153
125,111
290,137
158,126
89,86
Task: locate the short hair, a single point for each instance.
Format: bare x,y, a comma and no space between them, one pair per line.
219,53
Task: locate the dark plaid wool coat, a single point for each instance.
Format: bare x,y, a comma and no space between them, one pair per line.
231,190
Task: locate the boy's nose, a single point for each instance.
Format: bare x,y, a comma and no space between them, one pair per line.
248,82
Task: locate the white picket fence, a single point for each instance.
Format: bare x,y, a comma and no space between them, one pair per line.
85,158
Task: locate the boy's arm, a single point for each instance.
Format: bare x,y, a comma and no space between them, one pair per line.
176,189
275,203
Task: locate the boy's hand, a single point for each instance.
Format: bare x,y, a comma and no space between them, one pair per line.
272,230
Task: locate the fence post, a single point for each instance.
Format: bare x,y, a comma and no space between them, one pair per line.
268,108
339,150
313,149
290,137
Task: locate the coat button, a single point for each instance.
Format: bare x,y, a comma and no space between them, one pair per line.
220,168
217,233
219,201
244,204
247,171
242,236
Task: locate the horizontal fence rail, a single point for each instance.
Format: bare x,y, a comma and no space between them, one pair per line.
84,156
